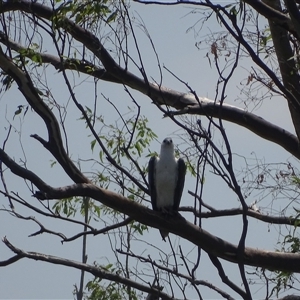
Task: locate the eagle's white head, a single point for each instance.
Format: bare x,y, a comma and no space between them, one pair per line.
167,148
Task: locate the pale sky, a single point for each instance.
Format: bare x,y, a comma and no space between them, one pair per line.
167,26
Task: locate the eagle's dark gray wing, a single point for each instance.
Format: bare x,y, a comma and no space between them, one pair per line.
151,179
181,169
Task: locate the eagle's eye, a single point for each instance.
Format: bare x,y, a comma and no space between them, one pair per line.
167,141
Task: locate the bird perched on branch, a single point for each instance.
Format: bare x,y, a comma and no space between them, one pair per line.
166,180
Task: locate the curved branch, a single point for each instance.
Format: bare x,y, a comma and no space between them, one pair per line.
189,103
42,229
254,123
10,261
157,93
54,144
96,271
72,64
22,172
176,224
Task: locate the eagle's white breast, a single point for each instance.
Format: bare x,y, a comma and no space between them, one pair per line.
166,178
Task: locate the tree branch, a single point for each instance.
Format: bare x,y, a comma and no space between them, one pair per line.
160,94
54,143
41,212
212,213
294,14
174,271
238,211
272,14
225,278
60,64
287,65
157,93
10,261
254,123
96,271
100,231
262,8
175,224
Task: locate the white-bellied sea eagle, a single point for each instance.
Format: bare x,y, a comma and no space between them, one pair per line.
166,180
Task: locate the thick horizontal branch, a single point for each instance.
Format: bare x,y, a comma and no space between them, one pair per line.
254,123
159,94
207,107
179,226
96,271
176,224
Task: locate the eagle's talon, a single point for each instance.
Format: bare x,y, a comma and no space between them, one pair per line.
167,211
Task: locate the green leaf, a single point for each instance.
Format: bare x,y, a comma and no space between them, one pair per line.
93,143
112,17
